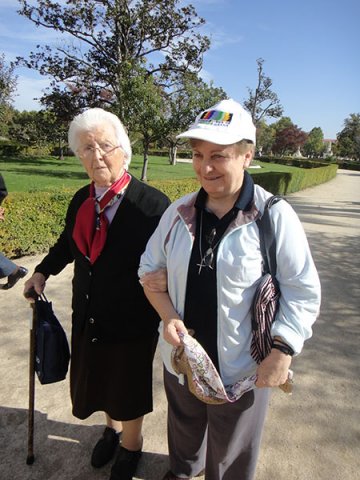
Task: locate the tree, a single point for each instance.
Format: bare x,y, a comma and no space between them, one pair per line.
193,96
147,113
289,140
284,122
113,39
348,140
28,128
265,137
61,107
262,101
8,83
314,145
266,134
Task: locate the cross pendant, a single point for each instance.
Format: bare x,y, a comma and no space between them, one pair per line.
200,265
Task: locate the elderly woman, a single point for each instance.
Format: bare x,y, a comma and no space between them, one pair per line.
114,328
209,243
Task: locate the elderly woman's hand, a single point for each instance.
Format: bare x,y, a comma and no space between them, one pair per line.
155,281
273,370
35,284
172,328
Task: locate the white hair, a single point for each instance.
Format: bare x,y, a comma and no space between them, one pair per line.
95,117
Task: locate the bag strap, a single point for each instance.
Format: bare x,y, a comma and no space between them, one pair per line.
267,237
42,296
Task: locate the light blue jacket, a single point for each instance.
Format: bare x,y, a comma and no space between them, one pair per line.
239,270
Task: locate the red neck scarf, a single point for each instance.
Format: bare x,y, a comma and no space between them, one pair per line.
91,224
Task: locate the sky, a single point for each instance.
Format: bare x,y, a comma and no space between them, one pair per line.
311,51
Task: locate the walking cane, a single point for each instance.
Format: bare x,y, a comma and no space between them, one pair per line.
30,454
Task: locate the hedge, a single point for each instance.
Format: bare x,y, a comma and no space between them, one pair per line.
283,183
312,162
33,221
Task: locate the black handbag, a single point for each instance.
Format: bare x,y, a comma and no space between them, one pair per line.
52,353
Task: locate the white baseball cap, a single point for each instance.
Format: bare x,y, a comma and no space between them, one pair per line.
225,123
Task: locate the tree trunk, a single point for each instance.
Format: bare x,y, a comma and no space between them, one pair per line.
61,151
146,159
172,154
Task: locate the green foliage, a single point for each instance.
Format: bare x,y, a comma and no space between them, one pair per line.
165,153
282,123
35,131
32,222
147,111
8,81
41,188
109,39
283,183
348,140
311,163
314,145
190,97
348,164
9,148
295,162
176,189
265,137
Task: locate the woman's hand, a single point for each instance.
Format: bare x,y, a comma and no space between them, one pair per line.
162,303
155,281
273,370
37,282
2,211
172,329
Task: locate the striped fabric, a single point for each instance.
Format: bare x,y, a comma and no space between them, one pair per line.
266,299
263,310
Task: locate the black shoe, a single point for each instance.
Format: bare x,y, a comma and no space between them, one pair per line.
105,448
125,464
20,272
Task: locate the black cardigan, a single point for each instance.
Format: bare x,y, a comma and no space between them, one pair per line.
107,296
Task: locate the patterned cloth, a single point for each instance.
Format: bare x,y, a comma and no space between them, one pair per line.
90,230
204,380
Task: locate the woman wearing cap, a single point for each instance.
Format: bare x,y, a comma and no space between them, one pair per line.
114,329
209,243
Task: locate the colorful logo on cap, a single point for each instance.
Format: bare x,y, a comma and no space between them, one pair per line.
216,118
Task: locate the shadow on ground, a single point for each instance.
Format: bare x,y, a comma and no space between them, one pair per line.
58,447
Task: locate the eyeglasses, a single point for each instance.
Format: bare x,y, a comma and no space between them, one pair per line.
105,149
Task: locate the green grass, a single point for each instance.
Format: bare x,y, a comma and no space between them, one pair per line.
24,174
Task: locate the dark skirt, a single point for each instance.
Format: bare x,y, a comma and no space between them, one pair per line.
115,378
